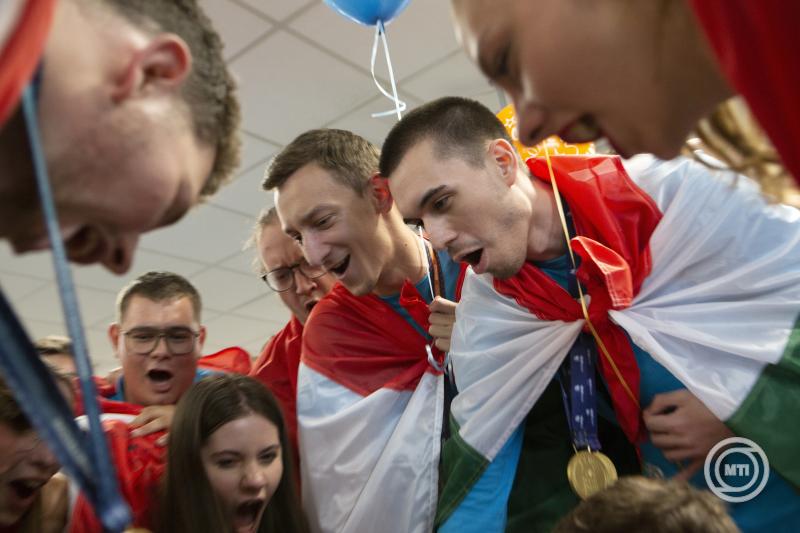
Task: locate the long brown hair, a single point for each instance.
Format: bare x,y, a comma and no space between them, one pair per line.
188,504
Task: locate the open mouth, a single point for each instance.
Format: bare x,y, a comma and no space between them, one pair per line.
310,305
247,514
25,488
159,376
583,130
339,269
473,258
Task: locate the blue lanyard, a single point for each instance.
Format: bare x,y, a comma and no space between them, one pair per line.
577,374
85,460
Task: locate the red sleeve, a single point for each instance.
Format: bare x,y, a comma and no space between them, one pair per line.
757,45
140,465
276,368
21,54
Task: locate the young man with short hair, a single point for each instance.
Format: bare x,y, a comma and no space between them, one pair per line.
370,396
670,268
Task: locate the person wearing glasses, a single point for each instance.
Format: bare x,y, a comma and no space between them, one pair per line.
158,339
300,286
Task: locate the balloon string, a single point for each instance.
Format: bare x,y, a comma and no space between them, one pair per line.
399,105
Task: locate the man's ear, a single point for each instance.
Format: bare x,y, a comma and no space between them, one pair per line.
113,337
504,155
381,195
201,340
162,65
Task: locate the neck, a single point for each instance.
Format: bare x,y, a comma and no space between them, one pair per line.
405,260
545,234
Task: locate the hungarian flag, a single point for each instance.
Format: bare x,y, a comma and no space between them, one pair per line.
694,265
370,409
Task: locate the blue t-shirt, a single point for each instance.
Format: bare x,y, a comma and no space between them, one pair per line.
450,272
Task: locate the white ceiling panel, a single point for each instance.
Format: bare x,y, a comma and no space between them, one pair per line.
241,262
454,76
17,287
223,290
270,308
228,330
254,150
289,86
374,130
97,277
208,234
245,195
237,25
277,9
416,38
34,264
44,304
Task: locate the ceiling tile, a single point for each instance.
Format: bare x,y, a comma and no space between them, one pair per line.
254,150
374,130
419,36
237,26
270,308
33,264
277,9
289,86
230,330
241,262
98,277
223,290
454,76
17,287
45,304
245,194
208,234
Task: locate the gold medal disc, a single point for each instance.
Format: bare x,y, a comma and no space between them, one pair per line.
590,472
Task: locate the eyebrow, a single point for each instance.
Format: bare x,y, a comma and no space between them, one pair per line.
428,195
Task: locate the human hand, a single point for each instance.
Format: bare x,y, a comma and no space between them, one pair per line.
684,429
441,319
153,418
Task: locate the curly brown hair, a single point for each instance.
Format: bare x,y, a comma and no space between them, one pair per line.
210,90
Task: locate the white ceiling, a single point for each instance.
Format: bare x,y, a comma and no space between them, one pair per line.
300,66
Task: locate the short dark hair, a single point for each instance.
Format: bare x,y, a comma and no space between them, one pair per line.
210,90
458,127
350,158
636,503
158,286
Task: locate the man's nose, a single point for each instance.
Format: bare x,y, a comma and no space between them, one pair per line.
440,233
120,258
302,284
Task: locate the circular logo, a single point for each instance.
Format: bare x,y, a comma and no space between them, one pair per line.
736,470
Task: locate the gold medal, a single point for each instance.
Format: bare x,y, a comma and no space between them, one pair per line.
589,472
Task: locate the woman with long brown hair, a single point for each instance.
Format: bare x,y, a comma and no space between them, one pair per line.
229,465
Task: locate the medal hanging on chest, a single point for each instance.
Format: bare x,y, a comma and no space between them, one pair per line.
589,470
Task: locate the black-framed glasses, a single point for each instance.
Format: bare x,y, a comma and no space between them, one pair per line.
142,341
282,279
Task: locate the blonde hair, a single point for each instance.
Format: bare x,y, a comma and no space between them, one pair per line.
732,135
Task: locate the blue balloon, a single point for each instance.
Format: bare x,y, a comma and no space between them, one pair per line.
368,12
